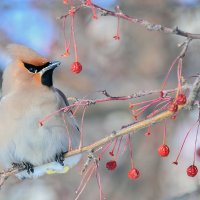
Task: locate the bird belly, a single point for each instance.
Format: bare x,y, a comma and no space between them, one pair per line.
24,140
34,144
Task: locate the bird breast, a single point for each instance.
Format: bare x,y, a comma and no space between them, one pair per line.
23,138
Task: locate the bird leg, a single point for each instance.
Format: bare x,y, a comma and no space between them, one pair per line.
60,158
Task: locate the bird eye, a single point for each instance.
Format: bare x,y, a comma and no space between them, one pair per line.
33,70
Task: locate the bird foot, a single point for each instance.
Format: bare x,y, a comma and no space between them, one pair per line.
60,158
25,165
29,167
18,165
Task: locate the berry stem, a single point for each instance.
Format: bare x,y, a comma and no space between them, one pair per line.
74,39
125,146
98,177
118,148
139,111
81,130
118,27
168,73
158,110
115,142
148,101
148,131
83,178
104,149
195,144
176,161
179,73
130,150
94,12
77,106
68,133
86,179
165,131
64,32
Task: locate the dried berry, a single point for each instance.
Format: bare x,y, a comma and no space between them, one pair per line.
111,165
116,37
175,163
147,133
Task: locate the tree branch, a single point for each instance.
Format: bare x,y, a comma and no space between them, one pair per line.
142,22
194,95
146,24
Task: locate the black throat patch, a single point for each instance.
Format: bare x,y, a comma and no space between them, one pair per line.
47,78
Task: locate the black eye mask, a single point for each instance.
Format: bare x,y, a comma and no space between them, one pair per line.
35,69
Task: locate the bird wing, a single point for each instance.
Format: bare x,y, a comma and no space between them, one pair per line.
74,136
70,122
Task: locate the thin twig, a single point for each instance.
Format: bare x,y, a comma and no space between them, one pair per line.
146,24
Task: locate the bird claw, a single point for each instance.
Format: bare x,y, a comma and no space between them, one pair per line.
18,165
60,158
24,165
29,167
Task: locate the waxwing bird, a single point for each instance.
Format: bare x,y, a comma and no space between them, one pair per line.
28,96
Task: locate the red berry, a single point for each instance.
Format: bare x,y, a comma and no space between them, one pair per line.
181,99
116,37
111,153
133,173
111,165
173,107
192,170
163,150
76,67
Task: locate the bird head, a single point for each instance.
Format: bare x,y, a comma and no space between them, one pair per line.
27,68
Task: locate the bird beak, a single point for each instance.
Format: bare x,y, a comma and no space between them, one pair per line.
51,66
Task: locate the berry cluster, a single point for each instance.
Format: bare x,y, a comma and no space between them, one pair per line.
111,165
180,100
